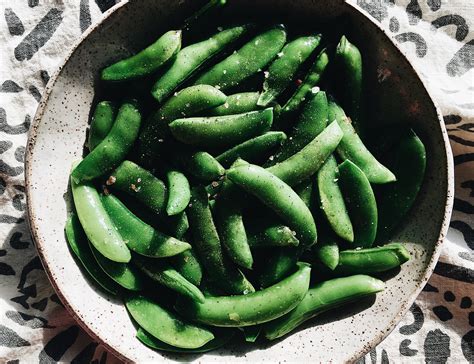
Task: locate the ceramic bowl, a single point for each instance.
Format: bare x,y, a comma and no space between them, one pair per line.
396,94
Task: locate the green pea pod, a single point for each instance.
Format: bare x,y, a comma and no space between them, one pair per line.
328,254
247,61
188,265
283,70
305,191
230,225
370,261
408,161
162,273
201,165
165,325
191,58
311,80
102,122
349,59
332,201
280,264
360,201
252,309
147,61
208,246
221,131
267,233
352,148
140,184
279,197
179,192
252,333
312,121
237,104
140,237
177,225
308,160
113,149
80,247
253,150
124,274
321,298
221,338
98,226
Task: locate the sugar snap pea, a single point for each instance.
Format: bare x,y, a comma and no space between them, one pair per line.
80,247
352,148
305,191
97,224
283,69
349,59
252,309
372,260
236,104
312,121
112,150
279,197
147,61
221,338
140,184
201,165
164,274
253,150
247,61
270,233
102,122
312,79
221,131
179,192
165,325
308,160
280,264
140,237
191,58
328,254
188,265
321,298
360,201
125,274
408,161
252,333
332,201
187,102
208,246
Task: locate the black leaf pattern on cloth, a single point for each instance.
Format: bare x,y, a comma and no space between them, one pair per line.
7,219
462,141
44,76
11,339
434,5
10,171
38,37
32,265
420,43
462,29
20,154
33,3
3,252
15,26
3,184
414,12
442,313
437,347
14,361
17,202
463,206
41,304
84,15
58,345
463,60
376,8
13,130
405,348
86,355
469,185
429,288
33,91
5,145
10,86
418,321
6,270
452,119
394,25
105,5
466,231
16,243
458,273
23,319
463,158
466,256
467,346
467,127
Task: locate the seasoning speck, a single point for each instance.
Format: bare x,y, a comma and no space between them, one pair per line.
110,181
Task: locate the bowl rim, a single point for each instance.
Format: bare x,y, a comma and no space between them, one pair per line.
115,351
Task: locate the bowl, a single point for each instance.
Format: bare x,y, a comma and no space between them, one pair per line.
397,96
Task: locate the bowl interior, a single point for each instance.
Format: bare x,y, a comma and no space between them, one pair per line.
58,135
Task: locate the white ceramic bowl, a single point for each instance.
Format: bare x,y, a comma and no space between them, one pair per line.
58,134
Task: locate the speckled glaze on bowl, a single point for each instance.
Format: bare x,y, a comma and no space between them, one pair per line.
58,134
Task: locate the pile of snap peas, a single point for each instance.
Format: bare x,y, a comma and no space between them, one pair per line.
238,205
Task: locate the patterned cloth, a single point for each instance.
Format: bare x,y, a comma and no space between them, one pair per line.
36,34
